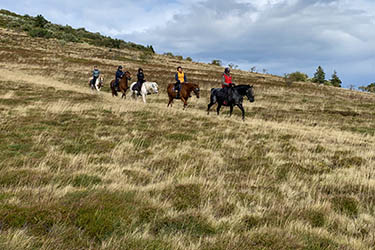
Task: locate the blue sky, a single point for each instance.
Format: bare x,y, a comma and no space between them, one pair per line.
281,36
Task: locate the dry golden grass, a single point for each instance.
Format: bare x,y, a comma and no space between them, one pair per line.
84,170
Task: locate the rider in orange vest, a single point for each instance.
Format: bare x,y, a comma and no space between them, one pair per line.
227,85
180,78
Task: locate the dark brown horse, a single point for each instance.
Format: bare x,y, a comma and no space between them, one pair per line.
186,89
123,84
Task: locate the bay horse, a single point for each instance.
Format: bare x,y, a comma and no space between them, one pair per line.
186,89
239,91
123,84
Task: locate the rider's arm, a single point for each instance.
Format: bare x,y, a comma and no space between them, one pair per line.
185,78
176,77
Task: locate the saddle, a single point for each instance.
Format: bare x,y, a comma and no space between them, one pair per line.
135,87
223,94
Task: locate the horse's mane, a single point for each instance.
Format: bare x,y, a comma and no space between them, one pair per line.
242,87
192,84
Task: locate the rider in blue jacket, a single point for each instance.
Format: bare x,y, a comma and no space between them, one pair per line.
95,75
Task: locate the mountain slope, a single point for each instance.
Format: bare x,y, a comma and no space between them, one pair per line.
83,170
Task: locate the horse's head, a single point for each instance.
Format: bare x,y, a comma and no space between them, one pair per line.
250,93
128,75
154,87
196,90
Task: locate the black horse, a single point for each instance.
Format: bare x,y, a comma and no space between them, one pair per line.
218,96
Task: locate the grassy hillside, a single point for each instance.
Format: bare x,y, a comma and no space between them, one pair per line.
83,170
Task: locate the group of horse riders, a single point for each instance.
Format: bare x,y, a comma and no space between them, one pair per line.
180,78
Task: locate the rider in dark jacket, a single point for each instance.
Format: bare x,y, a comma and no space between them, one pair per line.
119,75
141,80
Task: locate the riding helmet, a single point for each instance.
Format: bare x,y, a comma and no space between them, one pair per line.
227,70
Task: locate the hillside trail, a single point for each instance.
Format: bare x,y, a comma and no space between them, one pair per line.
21,76
127,105
12,73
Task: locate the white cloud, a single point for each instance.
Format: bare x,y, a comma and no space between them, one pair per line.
280,35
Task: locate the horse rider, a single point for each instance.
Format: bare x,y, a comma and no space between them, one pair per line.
180,79
140,81
119,75
227,85
95,75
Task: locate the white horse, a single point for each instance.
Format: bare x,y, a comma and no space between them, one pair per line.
148,88
98,83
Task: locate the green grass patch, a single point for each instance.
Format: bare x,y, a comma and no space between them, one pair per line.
179,137
24,177
101,214
314,217
84,180
184,196
345,205
194,225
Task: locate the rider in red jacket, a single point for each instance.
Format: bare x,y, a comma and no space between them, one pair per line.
227,84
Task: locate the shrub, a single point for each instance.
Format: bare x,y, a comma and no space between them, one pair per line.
170,54
189,59
216,62
40,21
368,88
39,32
68,37
146,55
296,77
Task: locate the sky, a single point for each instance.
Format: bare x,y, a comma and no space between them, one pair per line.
280,36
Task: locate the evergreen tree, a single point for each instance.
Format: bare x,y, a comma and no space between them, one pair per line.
335,80
319,76
369,88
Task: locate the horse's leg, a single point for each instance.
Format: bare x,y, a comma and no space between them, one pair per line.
230,110
218,108
212,102
144,97
170,101
184,101
242,110
209,107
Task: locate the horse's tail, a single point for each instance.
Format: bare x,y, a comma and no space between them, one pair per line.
213,98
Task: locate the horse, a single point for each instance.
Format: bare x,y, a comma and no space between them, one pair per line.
98,83
123,85
186,89
239,91
148,88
